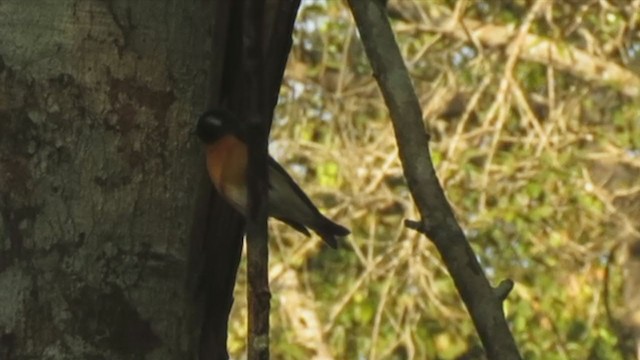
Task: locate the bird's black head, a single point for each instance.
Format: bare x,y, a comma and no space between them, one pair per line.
214,124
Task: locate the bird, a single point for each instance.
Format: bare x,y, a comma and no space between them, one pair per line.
227,159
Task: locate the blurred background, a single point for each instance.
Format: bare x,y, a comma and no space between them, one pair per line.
534,112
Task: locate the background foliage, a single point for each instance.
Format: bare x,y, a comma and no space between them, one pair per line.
535,130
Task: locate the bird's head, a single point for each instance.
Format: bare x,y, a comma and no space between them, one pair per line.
214,124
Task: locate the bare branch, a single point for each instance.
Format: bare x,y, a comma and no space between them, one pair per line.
268,41
253,75
438,219
538,49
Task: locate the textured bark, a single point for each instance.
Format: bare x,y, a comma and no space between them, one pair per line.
99,176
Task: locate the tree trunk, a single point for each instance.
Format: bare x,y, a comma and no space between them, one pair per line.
99,176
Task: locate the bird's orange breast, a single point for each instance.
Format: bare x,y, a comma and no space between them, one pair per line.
227,166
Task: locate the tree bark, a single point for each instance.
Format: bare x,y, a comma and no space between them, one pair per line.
99,176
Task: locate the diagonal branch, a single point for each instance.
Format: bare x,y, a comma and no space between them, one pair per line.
562,56
438,222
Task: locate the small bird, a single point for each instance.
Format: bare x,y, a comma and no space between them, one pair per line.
227,160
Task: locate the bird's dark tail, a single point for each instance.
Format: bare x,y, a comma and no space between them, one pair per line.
328,231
